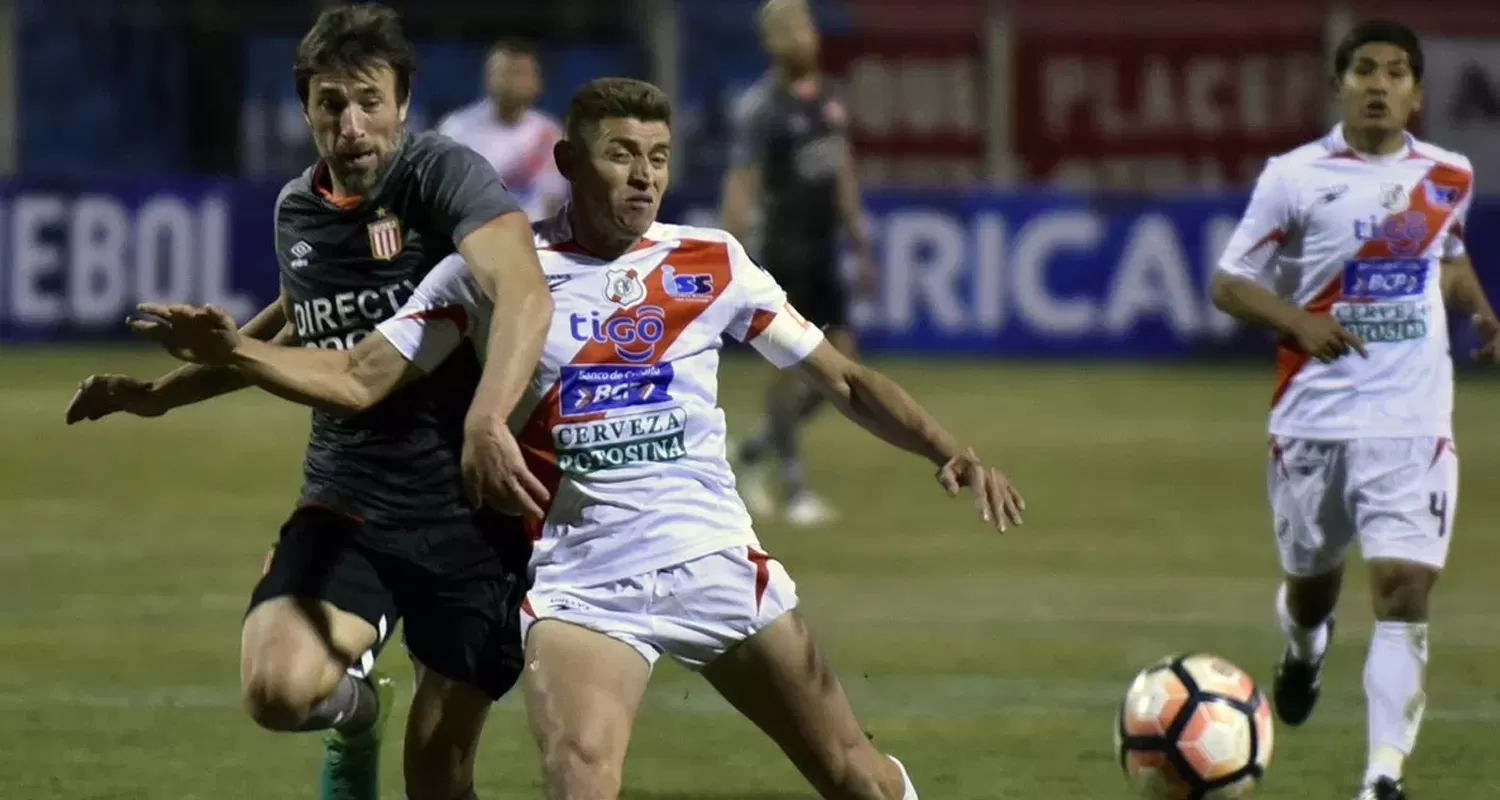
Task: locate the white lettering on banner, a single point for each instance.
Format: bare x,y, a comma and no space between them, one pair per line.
1207,95
33,260
981,277
1153,280
924,252
89,259
97,237
1035,245
164,251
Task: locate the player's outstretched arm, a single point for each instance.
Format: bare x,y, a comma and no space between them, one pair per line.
880,406
502,257
338,381
100,395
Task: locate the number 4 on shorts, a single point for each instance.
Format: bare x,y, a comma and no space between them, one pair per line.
1437,503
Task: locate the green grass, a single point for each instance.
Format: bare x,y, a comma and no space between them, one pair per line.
989,664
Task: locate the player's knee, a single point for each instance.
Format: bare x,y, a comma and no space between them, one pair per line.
1401,591
278,702
578,769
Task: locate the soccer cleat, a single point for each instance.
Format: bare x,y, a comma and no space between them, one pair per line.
1298,685
351,761
807,510
1383,789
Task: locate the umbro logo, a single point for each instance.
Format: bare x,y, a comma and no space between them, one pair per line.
300,251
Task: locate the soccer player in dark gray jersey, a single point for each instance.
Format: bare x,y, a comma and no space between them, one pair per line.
791,158
385,529
345,266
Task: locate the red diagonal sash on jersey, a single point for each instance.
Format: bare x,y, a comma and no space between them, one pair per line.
1289,360
690,257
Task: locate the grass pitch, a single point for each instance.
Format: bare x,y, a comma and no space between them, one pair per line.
991,665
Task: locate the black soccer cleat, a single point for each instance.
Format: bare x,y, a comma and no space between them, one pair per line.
1383,789
1298,685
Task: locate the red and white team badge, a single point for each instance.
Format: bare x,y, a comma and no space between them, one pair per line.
623,287
385,237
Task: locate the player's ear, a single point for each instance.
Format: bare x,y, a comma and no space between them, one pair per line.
404,109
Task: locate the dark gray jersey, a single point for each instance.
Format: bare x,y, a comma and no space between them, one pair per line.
348,265
797,141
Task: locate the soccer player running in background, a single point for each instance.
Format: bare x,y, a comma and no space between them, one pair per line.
791,160
1352,250
646,549
383,529
510,133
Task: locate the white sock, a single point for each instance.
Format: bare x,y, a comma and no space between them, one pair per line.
910,792
1306,644
1393,691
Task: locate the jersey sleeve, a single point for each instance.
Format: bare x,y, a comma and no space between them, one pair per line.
1263,231
1453,242
748,128
764,319
462,190
434,321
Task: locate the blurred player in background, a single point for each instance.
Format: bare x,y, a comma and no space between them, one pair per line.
792,162
383,529
1352,250
513,136
646,550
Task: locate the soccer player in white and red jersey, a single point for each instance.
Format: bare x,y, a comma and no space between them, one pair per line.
1352,250
646,548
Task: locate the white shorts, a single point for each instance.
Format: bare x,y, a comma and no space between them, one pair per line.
692,612
1397,496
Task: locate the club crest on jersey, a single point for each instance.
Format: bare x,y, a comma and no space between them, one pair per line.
1393,197
623,287
385,237
694,287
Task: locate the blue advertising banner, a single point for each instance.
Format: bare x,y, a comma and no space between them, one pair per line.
1014,275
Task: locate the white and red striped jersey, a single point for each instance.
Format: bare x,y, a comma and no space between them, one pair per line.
520,153
1360,238
621,419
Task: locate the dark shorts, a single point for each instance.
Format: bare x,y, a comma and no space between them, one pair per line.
812,285
457,588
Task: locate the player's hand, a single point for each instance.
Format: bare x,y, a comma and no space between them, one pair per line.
996,499
1488,329
98,396
205,335
1326,340
495,471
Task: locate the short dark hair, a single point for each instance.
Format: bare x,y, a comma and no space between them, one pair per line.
615,98
513,47
1379,31
355,39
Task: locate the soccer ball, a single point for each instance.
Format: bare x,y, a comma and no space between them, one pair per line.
1194,727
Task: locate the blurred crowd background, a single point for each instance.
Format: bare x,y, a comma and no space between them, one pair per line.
1045,177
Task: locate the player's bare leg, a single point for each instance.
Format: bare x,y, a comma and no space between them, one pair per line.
1304,608
780,679
583,690
442,737
294,660
790,404
1395,669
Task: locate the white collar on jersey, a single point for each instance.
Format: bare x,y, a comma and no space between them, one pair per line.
1338,145
557,230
